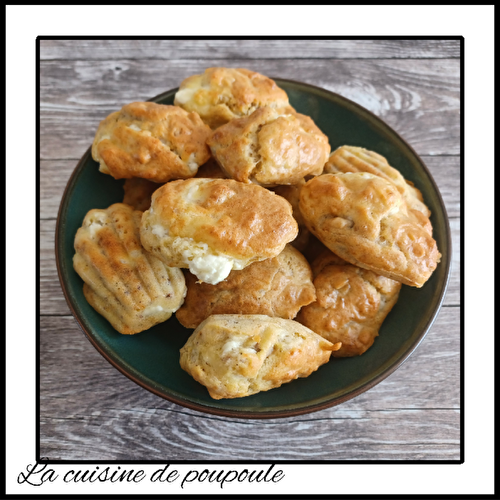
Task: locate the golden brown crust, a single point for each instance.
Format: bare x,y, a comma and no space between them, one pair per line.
137,193
363,219
270,148
151,141
354,159
238,355
222,94
351,305
240,221
132,289
276,287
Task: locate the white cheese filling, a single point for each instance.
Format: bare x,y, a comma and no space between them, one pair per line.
96,224
208,266
211,269
185,95
192,165
159,230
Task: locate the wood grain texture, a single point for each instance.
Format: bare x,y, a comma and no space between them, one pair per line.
169,436
89,410
107,416
248,49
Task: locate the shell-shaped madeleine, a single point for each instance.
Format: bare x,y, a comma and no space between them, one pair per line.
221,94
236,355
276,287
130,287
352,303
364,219
213,226
270,147
157,142
355,159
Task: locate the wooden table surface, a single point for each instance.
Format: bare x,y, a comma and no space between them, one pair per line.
90,411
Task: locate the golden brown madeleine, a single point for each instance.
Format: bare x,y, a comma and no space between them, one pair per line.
351,304
212,226
270,148
132,289
364,219
151,141
222,94
276,287
137,193
292,195
354,159
236,355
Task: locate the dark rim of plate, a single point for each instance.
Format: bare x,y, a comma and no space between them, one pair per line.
272,413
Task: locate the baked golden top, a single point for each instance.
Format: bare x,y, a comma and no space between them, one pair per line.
236,355
270,147
137,192
219,224
351,304
132,289
278,286
151,141
221,94
364,219
354,159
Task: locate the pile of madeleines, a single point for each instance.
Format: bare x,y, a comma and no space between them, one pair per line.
238,218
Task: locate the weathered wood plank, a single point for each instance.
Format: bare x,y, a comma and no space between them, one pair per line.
165,435
248,49
52,299
89,410
419,99
54,175
453,293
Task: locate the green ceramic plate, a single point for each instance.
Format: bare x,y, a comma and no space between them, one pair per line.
151,358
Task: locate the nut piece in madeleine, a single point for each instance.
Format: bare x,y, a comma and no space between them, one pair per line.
212,226
270,147
152,141
277,287
236,355
363,219
132,289
351,305
222,94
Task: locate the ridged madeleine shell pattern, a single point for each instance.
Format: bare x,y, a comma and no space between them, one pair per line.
352,303
130,287
354,159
